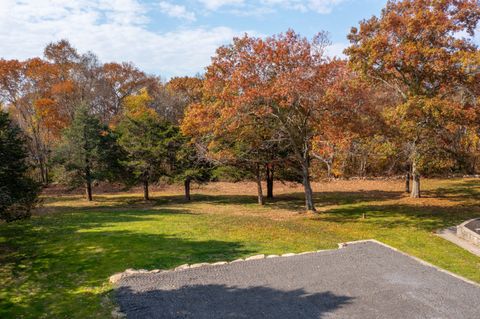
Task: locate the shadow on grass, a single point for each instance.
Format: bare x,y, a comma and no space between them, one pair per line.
428,218
289,201
60,264
466,190
296,201
425,217
220,301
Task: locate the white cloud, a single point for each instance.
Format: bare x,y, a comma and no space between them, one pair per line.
216,4
251,7
323,6
176,11
319,6
114,30
336,50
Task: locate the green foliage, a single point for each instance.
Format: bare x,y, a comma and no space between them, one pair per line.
288,172
231,174
191,165
88,149
18,192
151,144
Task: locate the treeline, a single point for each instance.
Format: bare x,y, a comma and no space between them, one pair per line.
405,102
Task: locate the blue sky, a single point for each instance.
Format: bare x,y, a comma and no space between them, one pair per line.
268,17
164,37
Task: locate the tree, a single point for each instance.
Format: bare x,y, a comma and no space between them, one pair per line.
26,89
18,192
87,151
352,115
43,94
283,77
242,140
424,51
66,90
149,141
191,166
189,89
121,81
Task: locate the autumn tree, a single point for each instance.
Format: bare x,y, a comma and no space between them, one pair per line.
65,58
283,77
83,79
120,81
352,114
242,140
42,95
189,89
25,88
424,51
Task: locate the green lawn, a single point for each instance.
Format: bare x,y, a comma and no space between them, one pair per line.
57,264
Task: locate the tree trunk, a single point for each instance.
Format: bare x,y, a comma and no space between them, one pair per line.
146,195
363,166
329,168
88,173
270,171
42,171
47,180
416,181
259,186
88,184
407,182
188,180
306,185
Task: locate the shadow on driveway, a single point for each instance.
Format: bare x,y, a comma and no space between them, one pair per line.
220,301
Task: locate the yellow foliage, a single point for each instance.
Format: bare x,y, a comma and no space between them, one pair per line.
137,106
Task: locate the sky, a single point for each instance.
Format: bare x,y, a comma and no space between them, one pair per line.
164,37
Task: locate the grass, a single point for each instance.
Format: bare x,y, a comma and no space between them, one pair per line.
57,264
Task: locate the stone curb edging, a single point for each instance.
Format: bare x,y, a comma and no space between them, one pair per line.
467,234
116,313
118,276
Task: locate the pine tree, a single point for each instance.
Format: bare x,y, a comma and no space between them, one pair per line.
88,151
18,192
150,143
191,166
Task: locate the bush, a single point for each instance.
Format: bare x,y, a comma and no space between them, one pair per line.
14,207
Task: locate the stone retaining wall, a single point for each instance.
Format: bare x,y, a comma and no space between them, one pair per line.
467,234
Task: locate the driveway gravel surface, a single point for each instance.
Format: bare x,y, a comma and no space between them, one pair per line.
361,280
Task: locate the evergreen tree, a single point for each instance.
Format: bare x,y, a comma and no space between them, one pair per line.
88,151
150,143
18,192
191,165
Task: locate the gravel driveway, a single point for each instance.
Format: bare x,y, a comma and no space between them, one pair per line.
361,280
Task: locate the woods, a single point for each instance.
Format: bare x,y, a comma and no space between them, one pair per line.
404,102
